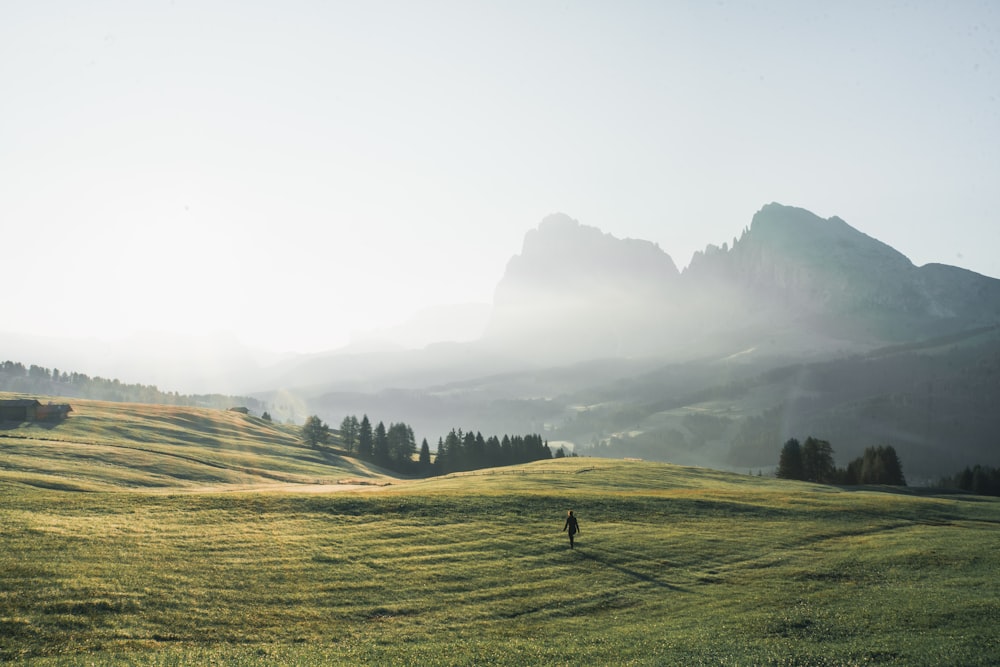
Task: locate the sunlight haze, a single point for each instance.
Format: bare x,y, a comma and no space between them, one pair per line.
297,174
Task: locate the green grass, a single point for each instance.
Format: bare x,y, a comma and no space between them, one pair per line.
675,565
111,446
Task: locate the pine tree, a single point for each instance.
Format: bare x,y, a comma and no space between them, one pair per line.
424,460
440,458
790,461
402,445
365,440
380,446
450,455
477,451
892,466
494,455
817,460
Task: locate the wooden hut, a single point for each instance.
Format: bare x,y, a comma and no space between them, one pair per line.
30,410
19,410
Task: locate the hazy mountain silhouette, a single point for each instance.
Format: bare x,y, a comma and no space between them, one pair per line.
793,284
802,326
595,339
832,278
575,293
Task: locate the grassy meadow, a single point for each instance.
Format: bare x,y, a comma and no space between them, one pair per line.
107,446
184,537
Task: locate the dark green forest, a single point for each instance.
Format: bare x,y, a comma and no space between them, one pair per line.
394,447
978,479
812,461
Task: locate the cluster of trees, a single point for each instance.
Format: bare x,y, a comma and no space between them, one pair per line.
394,447
467,451
812,461
982,480
878,465
16,377
391,447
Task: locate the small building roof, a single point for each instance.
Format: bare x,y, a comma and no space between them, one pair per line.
18,403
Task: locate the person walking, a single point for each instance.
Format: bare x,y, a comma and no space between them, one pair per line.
572,525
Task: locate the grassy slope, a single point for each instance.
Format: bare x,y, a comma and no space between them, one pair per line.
107,446
674,566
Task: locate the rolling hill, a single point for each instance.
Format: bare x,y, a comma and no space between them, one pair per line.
114,446
674,565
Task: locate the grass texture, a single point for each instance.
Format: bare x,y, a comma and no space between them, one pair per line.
674,565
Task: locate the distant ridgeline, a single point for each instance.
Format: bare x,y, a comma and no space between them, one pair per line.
15,377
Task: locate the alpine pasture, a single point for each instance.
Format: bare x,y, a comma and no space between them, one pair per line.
138,534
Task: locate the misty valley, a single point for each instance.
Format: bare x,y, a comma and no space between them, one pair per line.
462,334
800,327
769,457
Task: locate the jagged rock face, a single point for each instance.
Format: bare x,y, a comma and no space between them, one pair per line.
834,276
821,264
564,258
576,293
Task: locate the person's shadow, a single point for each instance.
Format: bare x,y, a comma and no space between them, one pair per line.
595,555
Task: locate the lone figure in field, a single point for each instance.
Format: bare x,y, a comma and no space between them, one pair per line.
572,525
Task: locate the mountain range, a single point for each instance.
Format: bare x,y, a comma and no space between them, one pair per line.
791,277
801,326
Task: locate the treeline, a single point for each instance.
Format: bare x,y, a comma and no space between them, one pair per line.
394,447
16,377
391,447
457,451
812,461
981,480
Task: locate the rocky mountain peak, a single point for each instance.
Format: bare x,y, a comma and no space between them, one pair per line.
573,282
565,247
802,235
789,268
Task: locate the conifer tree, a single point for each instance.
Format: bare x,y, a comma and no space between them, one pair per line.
365,439
440,459
380,446
817,460
790,461
424,459
402,445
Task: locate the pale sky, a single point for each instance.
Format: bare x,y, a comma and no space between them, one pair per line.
294,171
